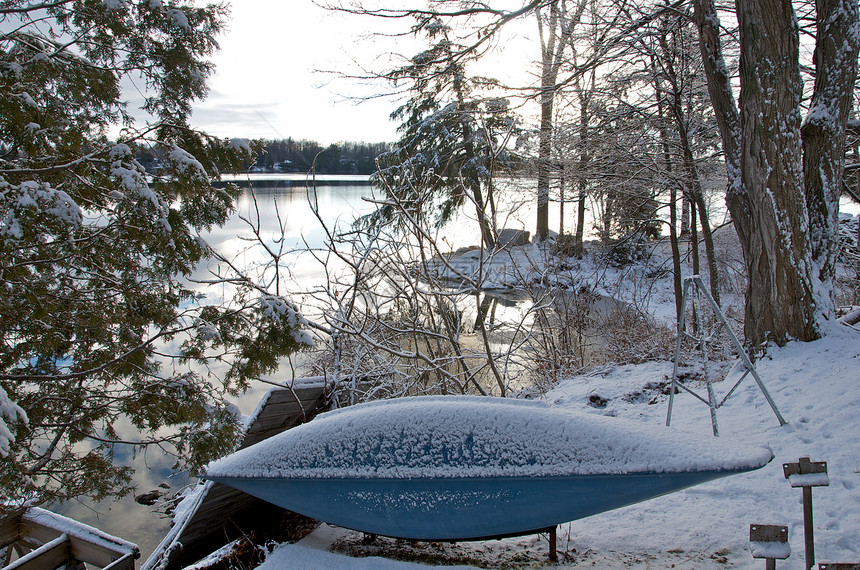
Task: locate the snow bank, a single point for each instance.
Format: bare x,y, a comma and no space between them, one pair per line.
815,386
468,436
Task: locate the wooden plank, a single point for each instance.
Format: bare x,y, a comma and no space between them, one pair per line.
50,555
99,554
804,467
280,396
768,533
302,398
279,411
280,414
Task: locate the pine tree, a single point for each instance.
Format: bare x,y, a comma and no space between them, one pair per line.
451,141
94,251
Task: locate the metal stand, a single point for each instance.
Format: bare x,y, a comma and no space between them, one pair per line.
703,340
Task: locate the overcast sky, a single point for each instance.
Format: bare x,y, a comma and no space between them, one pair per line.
269,84
266,86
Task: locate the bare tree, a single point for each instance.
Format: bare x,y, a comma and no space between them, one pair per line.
408,319
555,30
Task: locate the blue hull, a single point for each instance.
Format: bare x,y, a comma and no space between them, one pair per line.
463,508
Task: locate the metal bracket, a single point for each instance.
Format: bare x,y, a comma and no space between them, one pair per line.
769,541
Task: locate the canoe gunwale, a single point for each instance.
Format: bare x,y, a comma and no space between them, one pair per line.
458,478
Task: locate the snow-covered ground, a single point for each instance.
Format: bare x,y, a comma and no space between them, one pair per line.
817,389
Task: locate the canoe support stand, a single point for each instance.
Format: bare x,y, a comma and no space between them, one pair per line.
553,554
694,288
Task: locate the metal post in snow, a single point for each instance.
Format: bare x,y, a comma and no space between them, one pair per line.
807,474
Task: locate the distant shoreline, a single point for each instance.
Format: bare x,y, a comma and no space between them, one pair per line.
292,180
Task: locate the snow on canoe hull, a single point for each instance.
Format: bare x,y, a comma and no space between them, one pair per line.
458,467
464,508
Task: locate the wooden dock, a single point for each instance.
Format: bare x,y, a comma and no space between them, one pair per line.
43,539
216,514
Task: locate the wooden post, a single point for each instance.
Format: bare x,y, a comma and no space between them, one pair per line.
553,554
807,474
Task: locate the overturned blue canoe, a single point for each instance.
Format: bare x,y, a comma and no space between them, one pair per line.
446,468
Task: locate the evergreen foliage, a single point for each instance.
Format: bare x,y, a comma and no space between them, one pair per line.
303,156
452,142
94,253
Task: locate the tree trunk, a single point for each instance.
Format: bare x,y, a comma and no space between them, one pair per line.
562,180
780,297
552,50
673,195
726,111
824,129
685,215
544,151
762,147
676,252
584,158
580,219
547,99
697,199
694,239
857,190
695,193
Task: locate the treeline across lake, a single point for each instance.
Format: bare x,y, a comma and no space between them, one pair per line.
303,155
290,155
